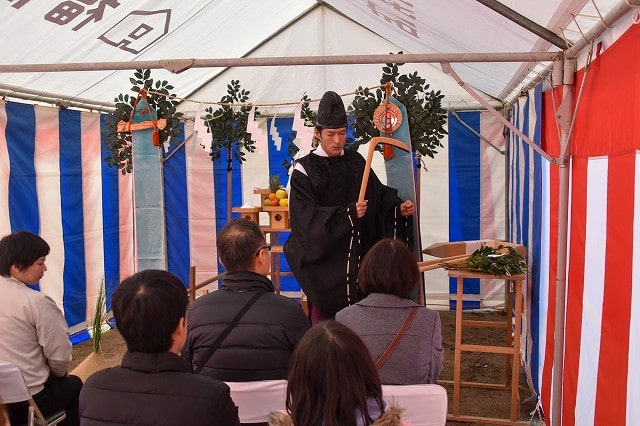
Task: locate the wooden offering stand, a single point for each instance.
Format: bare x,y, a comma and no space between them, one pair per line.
278,222
511,349
457,252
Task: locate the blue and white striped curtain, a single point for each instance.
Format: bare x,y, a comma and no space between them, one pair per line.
53,182
529,223
476,184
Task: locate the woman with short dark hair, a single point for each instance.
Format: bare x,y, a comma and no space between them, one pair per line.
35,335
387,275
333,382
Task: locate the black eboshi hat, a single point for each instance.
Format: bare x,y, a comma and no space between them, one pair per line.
331,113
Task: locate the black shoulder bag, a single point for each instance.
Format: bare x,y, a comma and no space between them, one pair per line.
214,347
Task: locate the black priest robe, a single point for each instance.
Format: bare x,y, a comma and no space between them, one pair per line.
327,240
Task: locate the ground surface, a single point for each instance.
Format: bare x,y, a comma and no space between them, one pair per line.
476,367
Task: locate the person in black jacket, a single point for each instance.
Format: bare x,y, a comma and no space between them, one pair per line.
260,345
154,385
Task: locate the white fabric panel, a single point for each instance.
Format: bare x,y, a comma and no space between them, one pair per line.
4,168
92,203
67,32
434,221
47,160
594,268
544,265
195,29
492,196
321,32
255,174
423,30
202,213
127,245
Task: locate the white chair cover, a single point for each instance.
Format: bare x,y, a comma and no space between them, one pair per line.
257,400
425,405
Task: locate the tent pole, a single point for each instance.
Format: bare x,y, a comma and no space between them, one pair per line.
63,101
449,70
561,271
179,65
598,29
525,23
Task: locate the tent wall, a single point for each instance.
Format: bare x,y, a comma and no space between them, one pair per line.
601,381
53,182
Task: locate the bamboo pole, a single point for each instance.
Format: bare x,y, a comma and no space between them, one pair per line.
429,265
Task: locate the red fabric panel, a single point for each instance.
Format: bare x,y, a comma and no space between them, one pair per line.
611,391
551,145
575,289
550,142
607,121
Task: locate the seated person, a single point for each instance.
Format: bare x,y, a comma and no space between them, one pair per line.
333,382
387,275
154,385
35,336
260,345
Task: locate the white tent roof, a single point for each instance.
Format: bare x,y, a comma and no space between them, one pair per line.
49,32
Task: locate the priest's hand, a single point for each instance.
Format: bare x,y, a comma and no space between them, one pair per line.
361,209
407,208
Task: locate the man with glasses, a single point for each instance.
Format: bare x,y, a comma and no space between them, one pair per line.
259,345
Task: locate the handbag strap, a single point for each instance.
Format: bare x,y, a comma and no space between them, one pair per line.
214,347
396,339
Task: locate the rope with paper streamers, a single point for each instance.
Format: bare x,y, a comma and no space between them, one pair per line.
249,104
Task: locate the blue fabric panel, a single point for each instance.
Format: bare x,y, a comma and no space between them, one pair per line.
536,247
74,298
79,337
464,190
517,202
276,157
527,152
177,222
110,221
220,178
23,200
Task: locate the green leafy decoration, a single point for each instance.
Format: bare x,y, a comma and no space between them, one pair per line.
228,124
119,144
99,318
425,115
496,261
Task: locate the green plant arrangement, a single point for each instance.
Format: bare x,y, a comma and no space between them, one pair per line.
425,114
164,103
496,261
227,126
99,319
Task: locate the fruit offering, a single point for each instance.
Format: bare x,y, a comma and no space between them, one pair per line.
277,195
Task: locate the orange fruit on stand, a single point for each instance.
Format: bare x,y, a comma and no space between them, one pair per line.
272,196
274,202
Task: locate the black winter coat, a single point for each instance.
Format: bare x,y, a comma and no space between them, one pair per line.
260,346
155,389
